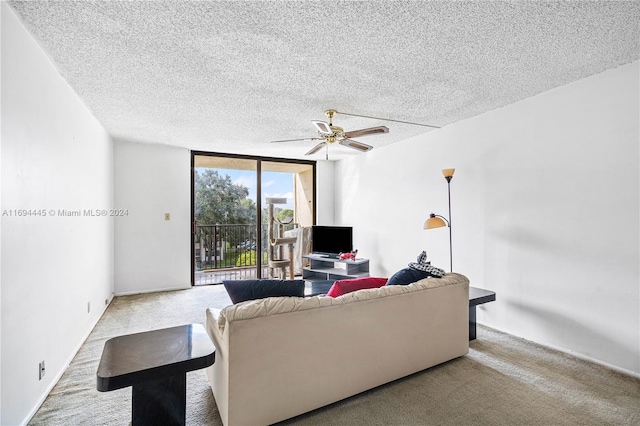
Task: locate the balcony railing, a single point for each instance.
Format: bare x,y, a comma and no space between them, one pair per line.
229,246
225,246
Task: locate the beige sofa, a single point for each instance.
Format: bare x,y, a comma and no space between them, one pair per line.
280,357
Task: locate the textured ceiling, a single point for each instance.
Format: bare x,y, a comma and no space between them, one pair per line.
232,76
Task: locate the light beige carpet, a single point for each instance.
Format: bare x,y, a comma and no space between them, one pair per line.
502,381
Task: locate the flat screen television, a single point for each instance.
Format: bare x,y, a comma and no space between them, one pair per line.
331,240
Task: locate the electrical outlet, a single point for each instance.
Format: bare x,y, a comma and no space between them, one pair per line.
41,370
106,302
88,307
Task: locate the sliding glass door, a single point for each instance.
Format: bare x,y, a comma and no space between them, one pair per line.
287,212
231,197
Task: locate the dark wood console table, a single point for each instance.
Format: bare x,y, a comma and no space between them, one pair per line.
477,296
155,363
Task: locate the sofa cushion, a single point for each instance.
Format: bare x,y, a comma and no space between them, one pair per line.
407,276
341,287
242,290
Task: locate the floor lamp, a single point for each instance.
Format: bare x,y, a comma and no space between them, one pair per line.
437,221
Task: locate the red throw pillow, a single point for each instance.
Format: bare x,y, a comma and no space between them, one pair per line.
347,286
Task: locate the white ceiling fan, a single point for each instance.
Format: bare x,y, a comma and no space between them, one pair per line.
329,134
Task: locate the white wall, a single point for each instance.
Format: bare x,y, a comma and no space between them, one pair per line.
151,253
55,156
325,193
545,211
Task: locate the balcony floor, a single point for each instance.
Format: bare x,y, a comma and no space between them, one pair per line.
211,276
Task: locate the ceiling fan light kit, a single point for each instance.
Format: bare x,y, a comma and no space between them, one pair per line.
329,134
322,126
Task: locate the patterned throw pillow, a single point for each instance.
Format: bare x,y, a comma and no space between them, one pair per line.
424,265
422,258
431,270
416,271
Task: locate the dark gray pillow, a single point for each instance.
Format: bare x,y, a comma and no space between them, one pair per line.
407,276
241,290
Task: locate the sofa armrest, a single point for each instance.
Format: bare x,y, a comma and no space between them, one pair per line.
214,331
218,373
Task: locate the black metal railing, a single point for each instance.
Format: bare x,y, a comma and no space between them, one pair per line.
230,246
225,246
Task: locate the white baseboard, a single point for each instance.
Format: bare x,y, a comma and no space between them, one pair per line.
156,290
55,381
575,354
593,360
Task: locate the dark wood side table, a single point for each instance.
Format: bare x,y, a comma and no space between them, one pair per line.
477,296
155,363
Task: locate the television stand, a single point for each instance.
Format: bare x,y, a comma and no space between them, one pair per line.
323,268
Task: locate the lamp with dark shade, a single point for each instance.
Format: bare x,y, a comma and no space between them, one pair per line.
438,221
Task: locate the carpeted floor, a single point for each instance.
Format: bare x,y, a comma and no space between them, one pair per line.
502,381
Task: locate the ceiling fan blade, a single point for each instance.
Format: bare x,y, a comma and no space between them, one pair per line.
294,140
363,147
316,148
322,126
369,131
